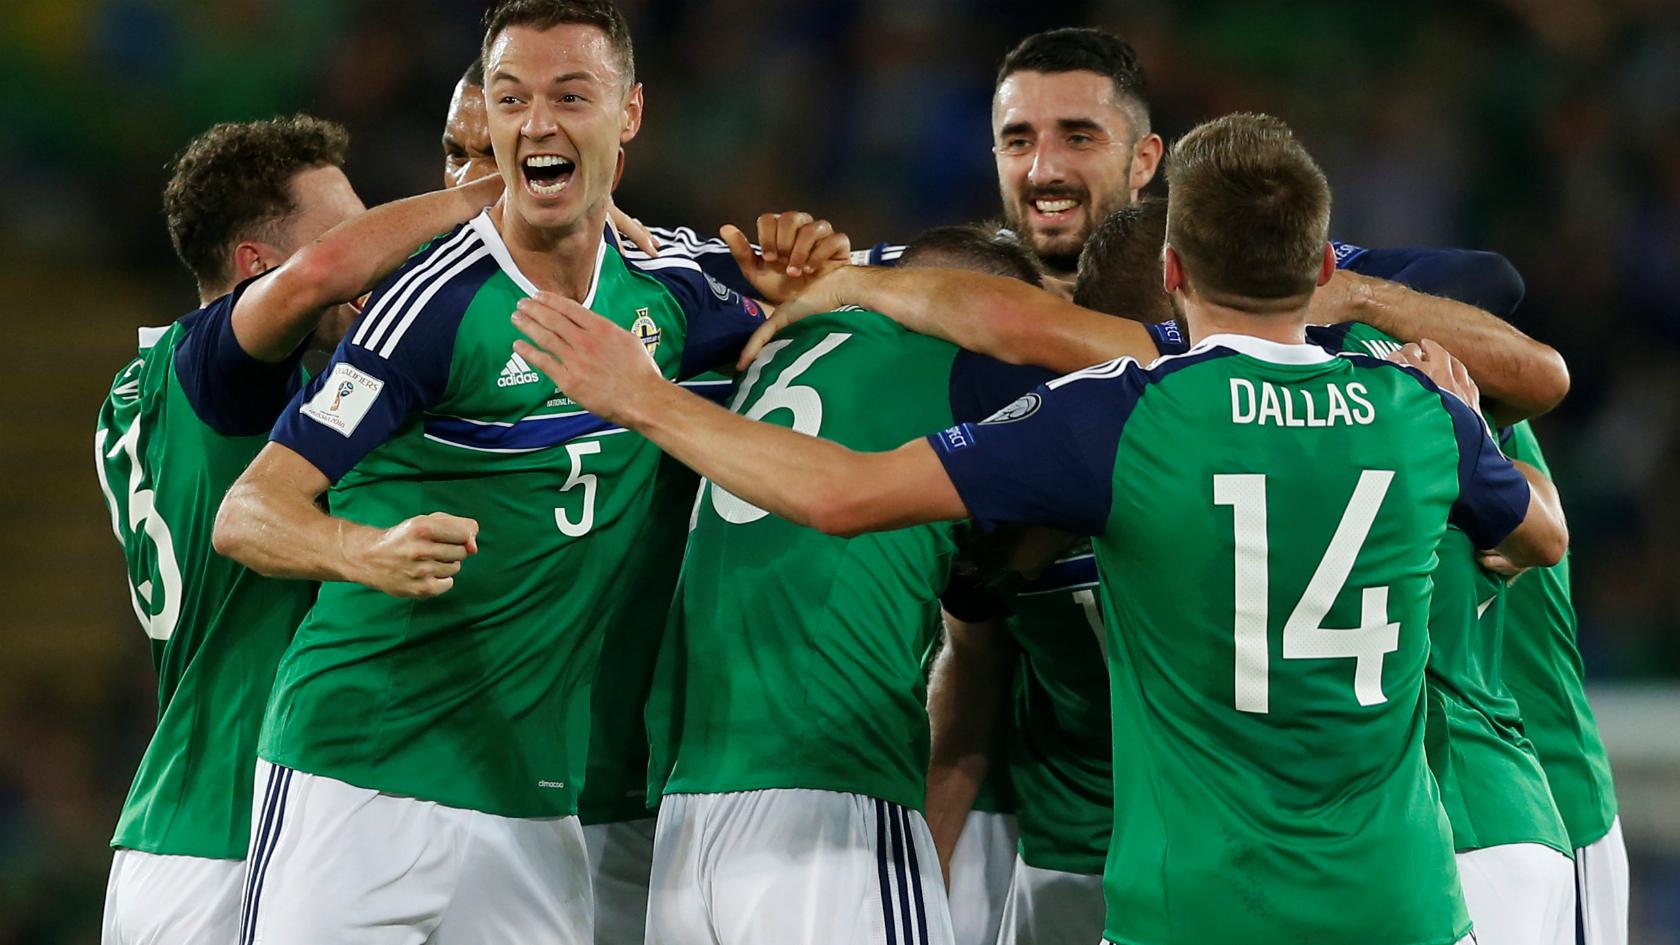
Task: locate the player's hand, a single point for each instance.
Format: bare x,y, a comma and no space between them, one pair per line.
418,557
596,363
1499,564
795,248
824,294
632,229
1440,366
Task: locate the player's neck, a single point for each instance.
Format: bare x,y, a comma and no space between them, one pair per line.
555,261
1205,318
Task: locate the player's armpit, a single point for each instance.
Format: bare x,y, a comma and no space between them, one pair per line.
1543,537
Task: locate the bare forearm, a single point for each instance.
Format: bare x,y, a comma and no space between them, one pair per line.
1543,537
1519,376
998,317
286,536
804,479
965,698
278,313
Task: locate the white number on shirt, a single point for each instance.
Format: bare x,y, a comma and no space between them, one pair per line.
1303,636
156,600
803,402
585,521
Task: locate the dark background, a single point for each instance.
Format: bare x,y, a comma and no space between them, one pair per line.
1547,130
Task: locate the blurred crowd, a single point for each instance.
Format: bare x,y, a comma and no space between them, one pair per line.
1548,131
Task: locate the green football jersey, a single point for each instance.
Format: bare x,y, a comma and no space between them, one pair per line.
1544,672
802,653
479,698
182,421
1265,520
1060,749
1491,782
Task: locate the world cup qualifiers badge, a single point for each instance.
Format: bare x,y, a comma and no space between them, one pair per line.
344,390
646,331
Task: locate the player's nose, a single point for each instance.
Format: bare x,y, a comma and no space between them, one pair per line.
1047,166
539,122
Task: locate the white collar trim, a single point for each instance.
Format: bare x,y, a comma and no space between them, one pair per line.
1270,351
487,231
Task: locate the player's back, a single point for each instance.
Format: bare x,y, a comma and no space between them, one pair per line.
165,454
1266,569
802,651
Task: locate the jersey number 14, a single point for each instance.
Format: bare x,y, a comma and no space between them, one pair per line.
1304,637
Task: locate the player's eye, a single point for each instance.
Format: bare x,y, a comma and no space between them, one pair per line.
570,98
508,100
1081,141
1016,145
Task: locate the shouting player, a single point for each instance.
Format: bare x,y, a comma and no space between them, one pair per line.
181,422
1290,778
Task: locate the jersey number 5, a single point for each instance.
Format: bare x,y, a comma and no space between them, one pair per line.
801,401
1304,637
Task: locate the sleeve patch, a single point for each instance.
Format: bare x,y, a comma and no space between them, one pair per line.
956,438
344,399
1022,408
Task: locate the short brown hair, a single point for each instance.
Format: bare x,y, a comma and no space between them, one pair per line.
1078,48
234,182
977,248
1120,266
547,14
1248,212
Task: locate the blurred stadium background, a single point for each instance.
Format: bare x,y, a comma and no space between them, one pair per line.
1548,130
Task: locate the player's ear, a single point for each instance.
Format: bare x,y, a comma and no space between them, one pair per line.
249,259
1172,271
1327,265
632,114
1146,158
618,170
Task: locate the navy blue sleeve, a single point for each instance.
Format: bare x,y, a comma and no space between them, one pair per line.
1486,280
232,392
711,255
981,386
1048,458
1492,493
393,363
720,319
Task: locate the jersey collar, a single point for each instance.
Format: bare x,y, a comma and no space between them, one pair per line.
486,230
1269,351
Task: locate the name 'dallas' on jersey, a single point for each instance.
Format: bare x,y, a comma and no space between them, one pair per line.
478,698
1265,590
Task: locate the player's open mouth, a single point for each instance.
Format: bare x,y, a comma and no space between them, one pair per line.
546,175
1054,209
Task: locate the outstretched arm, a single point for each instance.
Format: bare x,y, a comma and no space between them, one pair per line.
810,481
1521,377
276,314
1003,318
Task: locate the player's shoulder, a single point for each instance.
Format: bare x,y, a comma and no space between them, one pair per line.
431,292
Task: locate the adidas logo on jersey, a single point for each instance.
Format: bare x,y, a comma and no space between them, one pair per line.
517,372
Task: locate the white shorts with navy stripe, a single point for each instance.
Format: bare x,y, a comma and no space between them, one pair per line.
1601,890
332,862
982,865
794,867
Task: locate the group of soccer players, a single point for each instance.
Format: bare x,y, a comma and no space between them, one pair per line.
1250,632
